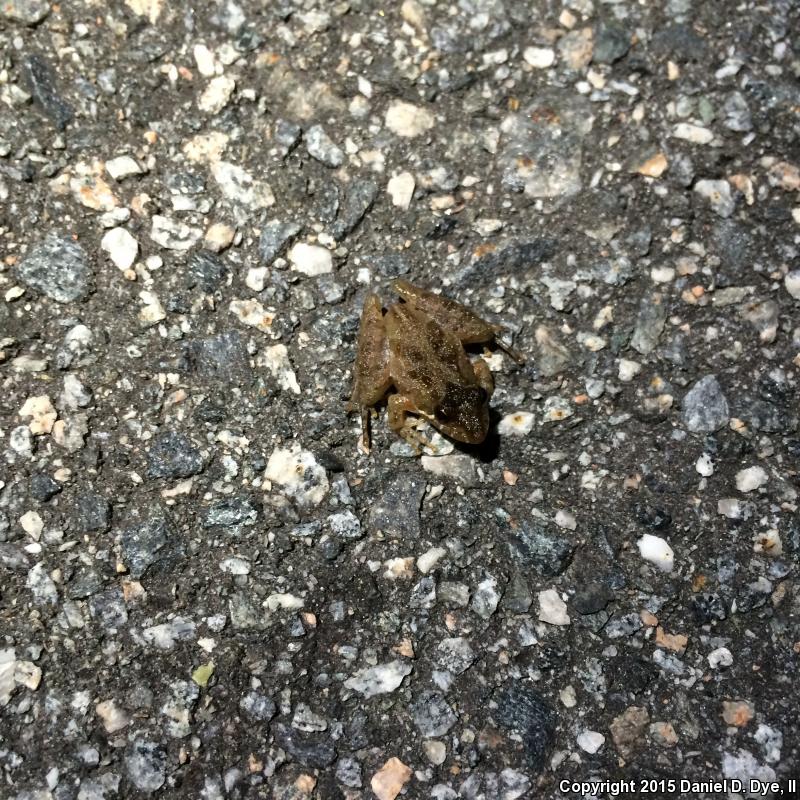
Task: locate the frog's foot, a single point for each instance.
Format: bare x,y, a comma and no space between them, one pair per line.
416,440
399,422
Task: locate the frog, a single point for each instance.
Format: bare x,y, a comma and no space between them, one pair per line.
413,355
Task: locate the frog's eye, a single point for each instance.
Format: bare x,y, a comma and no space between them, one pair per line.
483,395
446,411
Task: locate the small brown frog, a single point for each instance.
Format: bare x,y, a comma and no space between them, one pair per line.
417,347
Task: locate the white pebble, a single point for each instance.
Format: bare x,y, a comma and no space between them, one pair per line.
705,466
657,551
121,247
792,283
566,520
204,59
401,189
311,259
408,120
721,657
590,741
539,57
628,369
518,423
692,133
123,167
427,561
32,524
552,609
750,479
217,94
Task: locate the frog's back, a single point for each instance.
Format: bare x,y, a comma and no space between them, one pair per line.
424,357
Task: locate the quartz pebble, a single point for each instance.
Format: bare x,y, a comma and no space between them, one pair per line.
311,259
121,247
750,479
657,551
552,609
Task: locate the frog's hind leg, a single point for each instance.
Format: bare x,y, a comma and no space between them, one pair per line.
483,375
398,407
371,379
455,317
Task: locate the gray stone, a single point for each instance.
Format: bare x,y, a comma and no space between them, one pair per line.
321,147
432,715
58,267
396,511
143,542
28,12
146,764
172,455
705,408
533,545
275,235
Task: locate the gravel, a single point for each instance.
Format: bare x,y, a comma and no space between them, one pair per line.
208,588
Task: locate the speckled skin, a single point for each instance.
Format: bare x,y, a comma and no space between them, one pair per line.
417,348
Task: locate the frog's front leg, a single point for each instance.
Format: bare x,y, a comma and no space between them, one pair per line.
371,371
399,407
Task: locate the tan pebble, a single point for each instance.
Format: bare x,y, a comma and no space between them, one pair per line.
651,620
389,780
653,167
43,414
664,733
676,642
510,477
405,648
737,712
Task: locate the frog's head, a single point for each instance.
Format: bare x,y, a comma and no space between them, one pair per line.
463,413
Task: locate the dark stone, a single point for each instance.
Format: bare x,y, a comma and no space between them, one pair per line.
396,510
58,267
517,597
39,79
210,411
591,597
108,607
762,415
43,487
522,709
610,44
359,198
142,543
308,750
172,455
514,256
708,606
92,512
275,236
85,583
533,545
679,43
390,265
652,517
220,358
206,270
631,674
